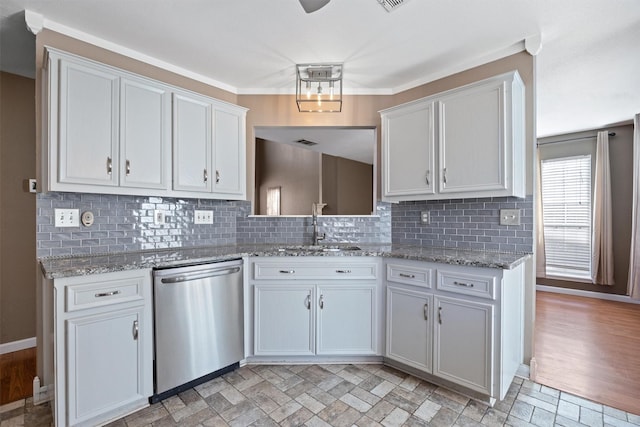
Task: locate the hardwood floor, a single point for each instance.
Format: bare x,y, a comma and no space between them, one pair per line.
589,347
17,370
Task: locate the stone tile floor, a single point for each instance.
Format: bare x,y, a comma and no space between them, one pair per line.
345,395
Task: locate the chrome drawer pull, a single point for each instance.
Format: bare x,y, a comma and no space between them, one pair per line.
107,294
135,330
343,271
287,271
440,315
205,176
408,276
307,302
426,312
321,302
127,167
468,285
109,165
217,177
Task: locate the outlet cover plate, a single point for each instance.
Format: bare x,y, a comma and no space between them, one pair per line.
425,217
67,217
509,216
202,217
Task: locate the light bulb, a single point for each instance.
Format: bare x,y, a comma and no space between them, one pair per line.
308,90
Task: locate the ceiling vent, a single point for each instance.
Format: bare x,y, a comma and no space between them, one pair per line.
390,5
305,142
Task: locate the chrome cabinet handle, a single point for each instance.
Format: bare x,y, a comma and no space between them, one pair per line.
106,294
426,311
109,165
408,276
206,176
427,177
287,271
127,167
343,271
135,330
321,302
440,315
217,177
307,302
468,285
444,175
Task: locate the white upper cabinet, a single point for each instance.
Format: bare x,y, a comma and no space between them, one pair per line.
412,151
191,143
86,125
144,134
478,140
209,147
111,131
229,156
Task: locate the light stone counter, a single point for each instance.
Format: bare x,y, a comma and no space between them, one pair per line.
58,267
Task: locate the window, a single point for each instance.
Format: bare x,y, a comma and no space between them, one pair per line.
566,206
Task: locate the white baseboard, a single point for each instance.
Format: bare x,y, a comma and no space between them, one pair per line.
588,294
10,347
41,394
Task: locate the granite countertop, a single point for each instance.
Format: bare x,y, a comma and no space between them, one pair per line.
58,267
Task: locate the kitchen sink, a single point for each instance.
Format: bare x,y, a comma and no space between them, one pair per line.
318,248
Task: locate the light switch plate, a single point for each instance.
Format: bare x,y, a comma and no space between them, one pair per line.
509,216
202,217
158,217
67,217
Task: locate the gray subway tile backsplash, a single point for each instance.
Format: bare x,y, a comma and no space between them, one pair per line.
125,223
465,224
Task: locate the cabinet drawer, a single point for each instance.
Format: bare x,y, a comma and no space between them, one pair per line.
409,275
293,271
104,292
469,284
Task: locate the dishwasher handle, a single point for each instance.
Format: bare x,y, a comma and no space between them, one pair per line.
200,275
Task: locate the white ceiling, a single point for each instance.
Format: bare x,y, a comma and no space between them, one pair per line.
587,69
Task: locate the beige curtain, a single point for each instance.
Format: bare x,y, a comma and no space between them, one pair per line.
634,262
541,257
602,235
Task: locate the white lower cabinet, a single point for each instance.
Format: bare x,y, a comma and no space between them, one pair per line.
314,306
284,320
102,339
346,319
467,331
409,325
103,353
463,343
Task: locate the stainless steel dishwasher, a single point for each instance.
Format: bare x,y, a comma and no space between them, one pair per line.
199,334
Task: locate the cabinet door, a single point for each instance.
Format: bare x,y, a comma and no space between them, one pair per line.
144,132
408,151
346,319
463,345
191,144
472,139
229,157
283,320
87,125
409,326
104,363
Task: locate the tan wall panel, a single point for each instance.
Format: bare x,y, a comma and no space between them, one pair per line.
17,208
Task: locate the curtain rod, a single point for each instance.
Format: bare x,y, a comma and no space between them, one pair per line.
573,139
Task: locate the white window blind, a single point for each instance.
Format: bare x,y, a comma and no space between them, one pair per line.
566,205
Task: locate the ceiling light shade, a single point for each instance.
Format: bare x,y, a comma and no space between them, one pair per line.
326,79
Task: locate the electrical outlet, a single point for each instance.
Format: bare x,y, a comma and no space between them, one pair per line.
509,216
202,217
67,217
158,217
425,217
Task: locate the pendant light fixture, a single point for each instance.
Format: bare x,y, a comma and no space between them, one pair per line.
326,81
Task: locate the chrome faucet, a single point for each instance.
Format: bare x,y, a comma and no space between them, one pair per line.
317,236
